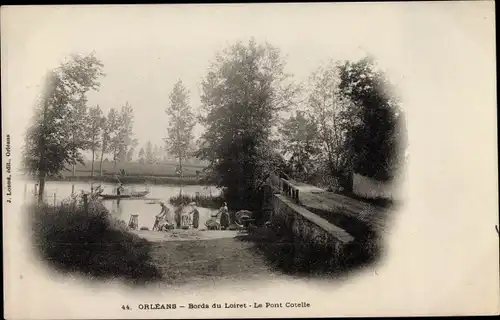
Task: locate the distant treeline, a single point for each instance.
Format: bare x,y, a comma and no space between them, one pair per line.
137,179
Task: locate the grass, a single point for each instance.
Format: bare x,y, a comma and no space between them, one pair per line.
205,201
91,244
380,202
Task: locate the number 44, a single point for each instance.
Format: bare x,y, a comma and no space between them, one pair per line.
126,307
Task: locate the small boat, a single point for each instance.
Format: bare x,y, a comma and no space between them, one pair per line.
131,195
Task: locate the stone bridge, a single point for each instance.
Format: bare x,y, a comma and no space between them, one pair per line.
321,218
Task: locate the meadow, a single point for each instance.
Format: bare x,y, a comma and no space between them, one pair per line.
167,169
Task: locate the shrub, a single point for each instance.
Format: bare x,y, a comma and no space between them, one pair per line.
212,202
90,243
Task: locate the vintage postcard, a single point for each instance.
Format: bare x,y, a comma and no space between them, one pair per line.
249,160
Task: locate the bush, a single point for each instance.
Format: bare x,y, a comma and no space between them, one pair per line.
90,243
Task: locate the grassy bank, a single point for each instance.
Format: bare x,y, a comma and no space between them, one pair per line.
91,243
380,202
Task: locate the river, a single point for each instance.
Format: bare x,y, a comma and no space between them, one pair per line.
146,208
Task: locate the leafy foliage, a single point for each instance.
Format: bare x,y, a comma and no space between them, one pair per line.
330,111
374,139
300,143
53,141
243,93
110,125
95,123
149,153
181,123
119,133
124,137
142,153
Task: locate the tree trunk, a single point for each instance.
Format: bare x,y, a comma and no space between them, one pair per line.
41,162
100,164
181,174
73,138
41,186
93,156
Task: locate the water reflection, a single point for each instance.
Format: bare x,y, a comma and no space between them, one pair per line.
146,208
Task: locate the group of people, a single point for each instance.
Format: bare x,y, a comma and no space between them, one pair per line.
188,216
184,217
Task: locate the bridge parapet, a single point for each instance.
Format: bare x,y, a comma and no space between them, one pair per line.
284,187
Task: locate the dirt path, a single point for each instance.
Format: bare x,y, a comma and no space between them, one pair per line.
335,207
191,256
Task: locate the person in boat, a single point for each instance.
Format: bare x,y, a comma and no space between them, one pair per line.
99,190
119,189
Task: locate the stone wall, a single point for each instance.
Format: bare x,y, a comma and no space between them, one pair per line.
309,231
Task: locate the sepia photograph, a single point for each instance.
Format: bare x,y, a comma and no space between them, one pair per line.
172,160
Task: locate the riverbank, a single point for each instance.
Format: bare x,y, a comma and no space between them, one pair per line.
87,241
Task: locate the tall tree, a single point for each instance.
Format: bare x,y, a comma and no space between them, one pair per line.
131,150
300,143
110,126
142,155
49,146
243,93
157,154
78,126
181,123
376,138
149,153
124,138
331,112
95,128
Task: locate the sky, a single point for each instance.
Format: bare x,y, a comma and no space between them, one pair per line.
146,49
